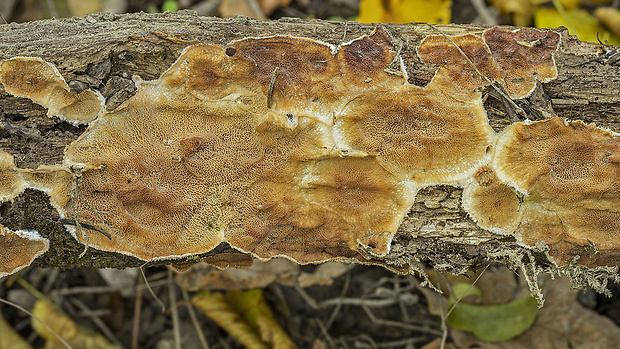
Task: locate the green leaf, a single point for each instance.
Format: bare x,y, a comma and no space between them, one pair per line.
492,323
170,5
462,289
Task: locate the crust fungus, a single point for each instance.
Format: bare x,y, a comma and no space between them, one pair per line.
515,58
524,55
34,78
280,146
570,175
285,146
493,205
11,182
19,248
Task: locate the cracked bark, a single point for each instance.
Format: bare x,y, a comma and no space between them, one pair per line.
103,52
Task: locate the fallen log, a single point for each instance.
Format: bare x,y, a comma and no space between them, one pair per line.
378,144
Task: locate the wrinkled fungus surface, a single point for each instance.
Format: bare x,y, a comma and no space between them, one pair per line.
19,248
11,183
570,175
33,78
287,146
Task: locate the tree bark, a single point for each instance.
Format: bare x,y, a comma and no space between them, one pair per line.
437,230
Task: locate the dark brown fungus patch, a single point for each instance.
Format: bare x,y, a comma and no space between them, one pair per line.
524,56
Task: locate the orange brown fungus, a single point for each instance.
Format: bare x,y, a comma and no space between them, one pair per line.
40,81
19,249
570,173
279,146
493,205
11,182
526,53
285,146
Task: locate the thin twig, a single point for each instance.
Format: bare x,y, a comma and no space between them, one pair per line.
403,343
373,345
101,289
401,304
97,321
329,338
383,322
369,302
176,325
39,320
271,84
192,315
311,301
444,325
163,306
469,288
137,314
483,12
345,289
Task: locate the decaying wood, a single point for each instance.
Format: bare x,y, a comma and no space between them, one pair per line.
437,230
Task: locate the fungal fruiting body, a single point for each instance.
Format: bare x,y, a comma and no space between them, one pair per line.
286,146
19,248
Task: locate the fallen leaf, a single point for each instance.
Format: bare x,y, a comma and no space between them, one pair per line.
246,316
229,8
66,328
268,6
610,17
562,323
519,10
492,323
405,11
202,276
80,8
586,26
9,339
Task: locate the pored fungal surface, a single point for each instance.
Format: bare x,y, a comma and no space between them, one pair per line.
19,248
287,146
33,78
11,182
280,146
569,173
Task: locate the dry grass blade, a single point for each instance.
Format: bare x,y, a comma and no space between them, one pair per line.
146,281
192,315
174,310
137,313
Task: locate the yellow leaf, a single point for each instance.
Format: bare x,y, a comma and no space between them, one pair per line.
585,25
520,10
246,316
9,339
570,4
66,328
610,17
80,8
405,11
